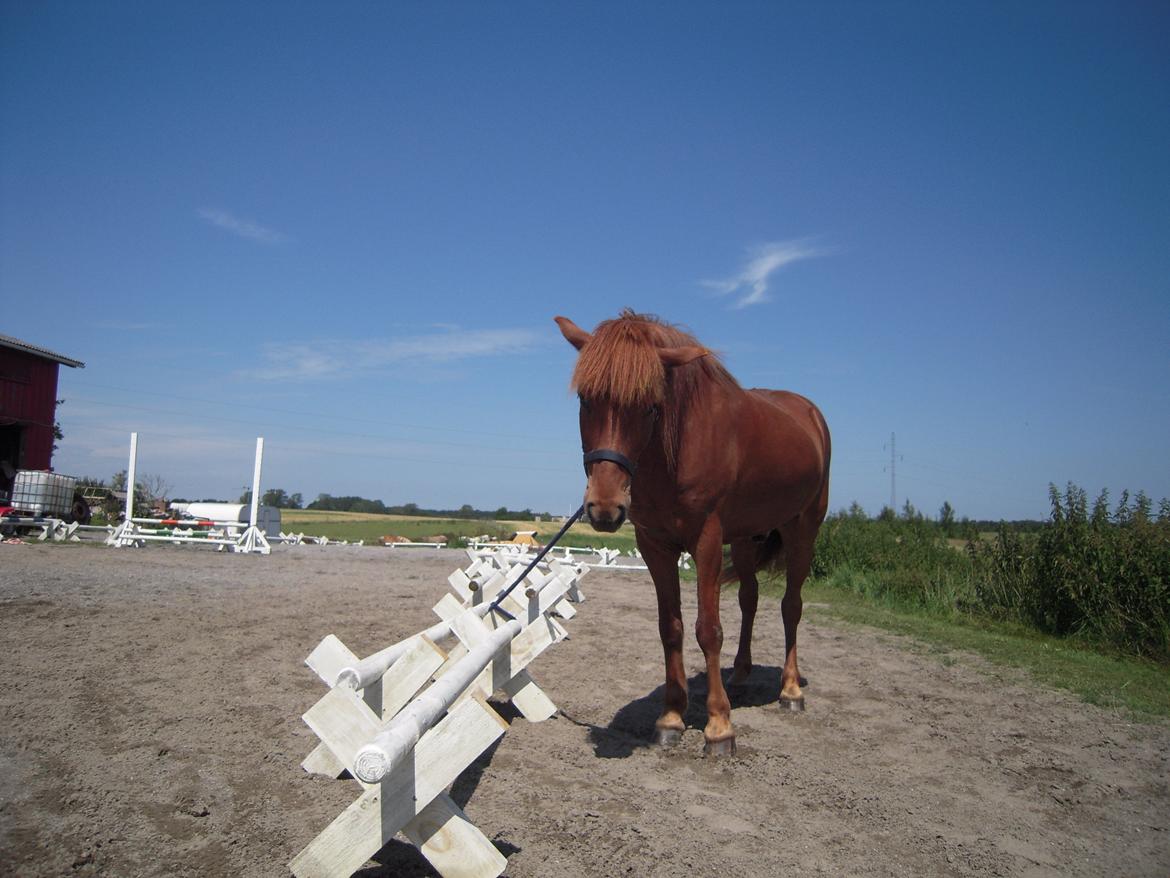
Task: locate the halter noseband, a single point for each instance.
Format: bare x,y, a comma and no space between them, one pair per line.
613,457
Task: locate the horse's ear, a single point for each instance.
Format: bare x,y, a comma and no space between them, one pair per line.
680,356
575,335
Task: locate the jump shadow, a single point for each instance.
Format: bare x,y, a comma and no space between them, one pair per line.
632,727
400,858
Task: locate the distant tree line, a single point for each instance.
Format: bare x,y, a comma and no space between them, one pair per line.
466,511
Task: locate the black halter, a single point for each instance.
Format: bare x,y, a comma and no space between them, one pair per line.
613,457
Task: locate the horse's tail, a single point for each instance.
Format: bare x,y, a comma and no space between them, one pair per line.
769,557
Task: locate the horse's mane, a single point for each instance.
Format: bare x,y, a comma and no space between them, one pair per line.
620,365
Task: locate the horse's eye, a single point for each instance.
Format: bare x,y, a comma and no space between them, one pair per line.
584,402
653,411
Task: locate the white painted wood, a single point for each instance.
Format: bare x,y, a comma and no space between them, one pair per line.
364,827
396,740
322,761
361,674
522,651
343,722
452,843
329,657
409,674
448,607
529,698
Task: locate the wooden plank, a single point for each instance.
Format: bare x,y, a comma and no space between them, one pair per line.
343,722
330,656
449,607
524,649
322,761
529,698
440,756
452,843
409,674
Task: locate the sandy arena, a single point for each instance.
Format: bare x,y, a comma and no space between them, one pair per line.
151,701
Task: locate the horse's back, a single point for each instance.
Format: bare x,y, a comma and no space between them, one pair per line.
801,413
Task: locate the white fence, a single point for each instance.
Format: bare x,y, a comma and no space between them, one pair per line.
409,719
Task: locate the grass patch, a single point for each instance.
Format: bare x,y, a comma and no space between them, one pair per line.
370,526
1140,687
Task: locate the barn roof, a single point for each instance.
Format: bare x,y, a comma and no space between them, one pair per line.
7,341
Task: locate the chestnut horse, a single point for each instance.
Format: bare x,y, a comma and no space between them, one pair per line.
672,441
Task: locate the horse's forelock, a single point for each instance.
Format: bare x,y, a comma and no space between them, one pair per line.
620,363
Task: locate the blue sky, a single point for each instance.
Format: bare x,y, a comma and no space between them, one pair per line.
346,228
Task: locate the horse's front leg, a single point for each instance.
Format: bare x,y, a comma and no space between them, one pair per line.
663,564
708,554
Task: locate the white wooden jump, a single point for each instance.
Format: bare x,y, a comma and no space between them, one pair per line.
224,534
409,719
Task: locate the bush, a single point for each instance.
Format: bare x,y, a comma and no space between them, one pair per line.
1093,573
908,560
1101,575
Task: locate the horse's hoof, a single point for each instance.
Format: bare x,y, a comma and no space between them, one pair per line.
796,705
725,747
667,737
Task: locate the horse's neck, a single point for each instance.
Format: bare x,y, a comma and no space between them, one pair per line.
704,418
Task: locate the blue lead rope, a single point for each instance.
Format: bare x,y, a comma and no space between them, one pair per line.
568,524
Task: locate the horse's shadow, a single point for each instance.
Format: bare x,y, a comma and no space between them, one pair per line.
632,727
630,730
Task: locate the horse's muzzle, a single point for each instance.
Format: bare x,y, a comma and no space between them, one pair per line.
606,520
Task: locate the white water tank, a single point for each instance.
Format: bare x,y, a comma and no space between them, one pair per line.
267,517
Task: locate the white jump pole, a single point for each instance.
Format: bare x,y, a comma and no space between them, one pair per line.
370,670
130,476
378,758
122,534
253,540
256,481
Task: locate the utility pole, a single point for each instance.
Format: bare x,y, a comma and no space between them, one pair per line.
893,475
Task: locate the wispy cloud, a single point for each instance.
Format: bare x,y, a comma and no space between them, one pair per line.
750,285
242,228
324,359
124,326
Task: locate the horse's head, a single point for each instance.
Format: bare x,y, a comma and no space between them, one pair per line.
621,379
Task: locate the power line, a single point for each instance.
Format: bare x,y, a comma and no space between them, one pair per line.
892,469
295,412
319,430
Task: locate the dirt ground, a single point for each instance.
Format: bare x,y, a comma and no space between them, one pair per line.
150,706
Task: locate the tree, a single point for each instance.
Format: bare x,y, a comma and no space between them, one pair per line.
155,488
275,497
57,434
946,518
148,490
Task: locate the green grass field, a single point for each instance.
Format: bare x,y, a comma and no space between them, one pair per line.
1137,686
369,527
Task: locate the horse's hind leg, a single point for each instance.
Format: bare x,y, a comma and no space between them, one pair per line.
799,537
743,560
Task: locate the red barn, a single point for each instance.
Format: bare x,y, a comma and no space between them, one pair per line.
28,406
